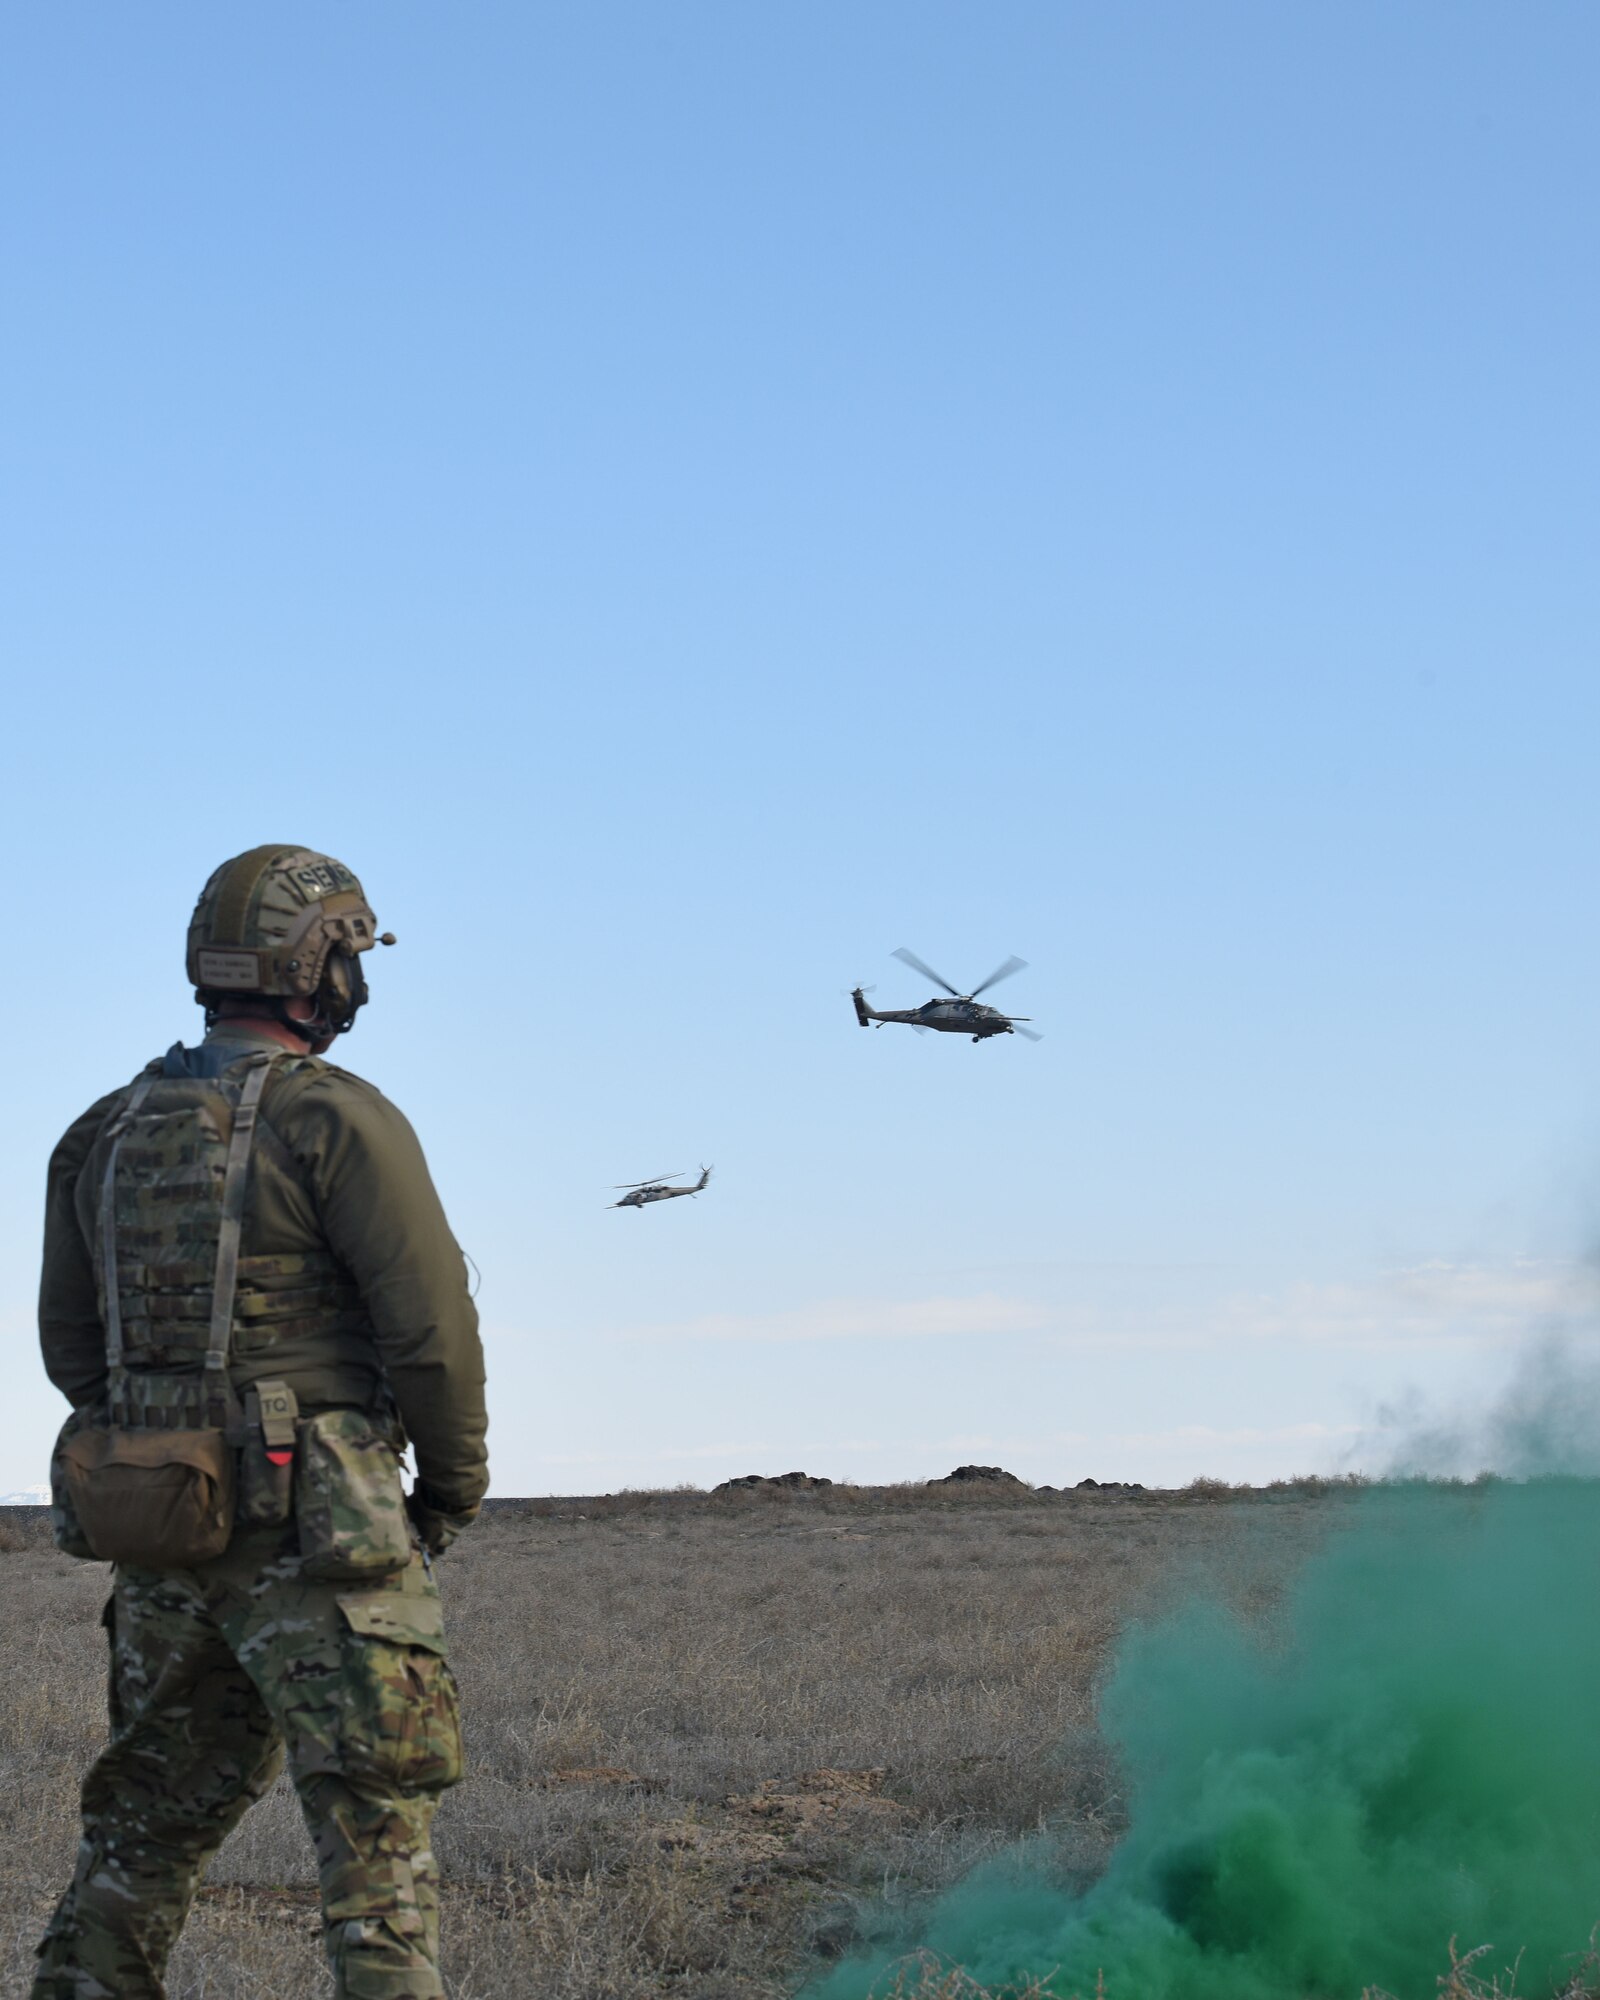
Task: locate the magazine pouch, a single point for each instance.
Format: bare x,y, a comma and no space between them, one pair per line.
347,1498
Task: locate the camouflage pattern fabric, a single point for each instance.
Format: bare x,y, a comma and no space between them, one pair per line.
215,1671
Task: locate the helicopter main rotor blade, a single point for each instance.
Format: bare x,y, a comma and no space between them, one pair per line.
649,1183
910,958
1001,972
1028,1034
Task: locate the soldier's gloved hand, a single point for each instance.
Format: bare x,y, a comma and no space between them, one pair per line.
437,1526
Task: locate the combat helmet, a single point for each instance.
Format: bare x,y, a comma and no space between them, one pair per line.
283,922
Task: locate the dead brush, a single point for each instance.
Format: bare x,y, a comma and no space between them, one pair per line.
24,1528
1462,1982
925,1976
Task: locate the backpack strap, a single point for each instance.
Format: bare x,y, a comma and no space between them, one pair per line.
221,1403
116,1374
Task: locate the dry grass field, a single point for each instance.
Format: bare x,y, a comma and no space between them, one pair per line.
710,1740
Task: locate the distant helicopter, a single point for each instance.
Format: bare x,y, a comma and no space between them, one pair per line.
959,1015
643,1191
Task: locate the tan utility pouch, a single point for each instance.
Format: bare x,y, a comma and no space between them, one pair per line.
159,1499
347,1499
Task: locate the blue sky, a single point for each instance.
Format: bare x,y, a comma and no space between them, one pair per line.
684,501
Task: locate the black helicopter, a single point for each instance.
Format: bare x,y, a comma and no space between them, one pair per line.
647,1191
959,1015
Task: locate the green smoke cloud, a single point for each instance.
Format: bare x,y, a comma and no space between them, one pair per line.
1411,1753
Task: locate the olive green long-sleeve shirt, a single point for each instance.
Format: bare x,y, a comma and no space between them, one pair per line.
335,1167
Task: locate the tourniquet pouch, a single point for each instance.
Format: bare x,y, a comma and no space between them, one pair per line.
161,1499
266,1463
347,1499
265,1488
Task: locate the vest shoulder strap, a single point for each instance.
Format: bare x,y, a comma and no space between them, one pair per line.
217,1391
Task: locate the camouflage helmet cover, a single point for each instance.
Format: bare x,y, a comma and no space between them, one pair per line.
282,920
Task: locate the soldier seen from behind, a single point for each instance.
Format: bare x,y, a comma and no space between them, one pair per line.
252,1300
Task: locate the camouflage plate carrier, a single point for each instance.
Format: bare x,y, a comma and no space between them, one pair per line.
159,1474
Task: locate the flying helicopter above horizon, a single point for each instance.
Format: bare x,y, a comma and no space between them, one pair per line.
961,1014
642,1192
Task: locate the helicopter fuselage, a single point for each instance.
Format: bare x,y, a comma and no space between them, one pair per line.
947,1017
659,1191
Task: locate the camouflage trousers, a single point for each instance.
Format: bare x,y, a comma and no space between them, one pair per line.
213,1672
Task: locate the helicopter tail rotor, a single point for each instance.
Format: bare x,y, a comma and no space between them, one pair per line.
863,1011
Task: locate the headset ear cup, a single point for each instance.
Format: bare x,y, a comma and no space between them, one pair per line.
343,991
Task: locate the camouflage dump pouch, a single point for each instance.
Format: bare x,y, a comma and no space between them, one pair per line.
161,1499
347,1499
149,1477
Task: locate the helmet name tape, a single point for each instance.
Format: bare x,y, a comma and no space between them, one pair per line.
324,877
230,971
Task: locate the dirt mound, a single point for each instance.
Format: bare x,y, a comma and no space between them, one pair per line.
990,1475
753,1482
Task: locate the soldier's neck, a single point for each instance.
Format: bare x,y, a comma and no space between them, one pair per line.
261,1027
